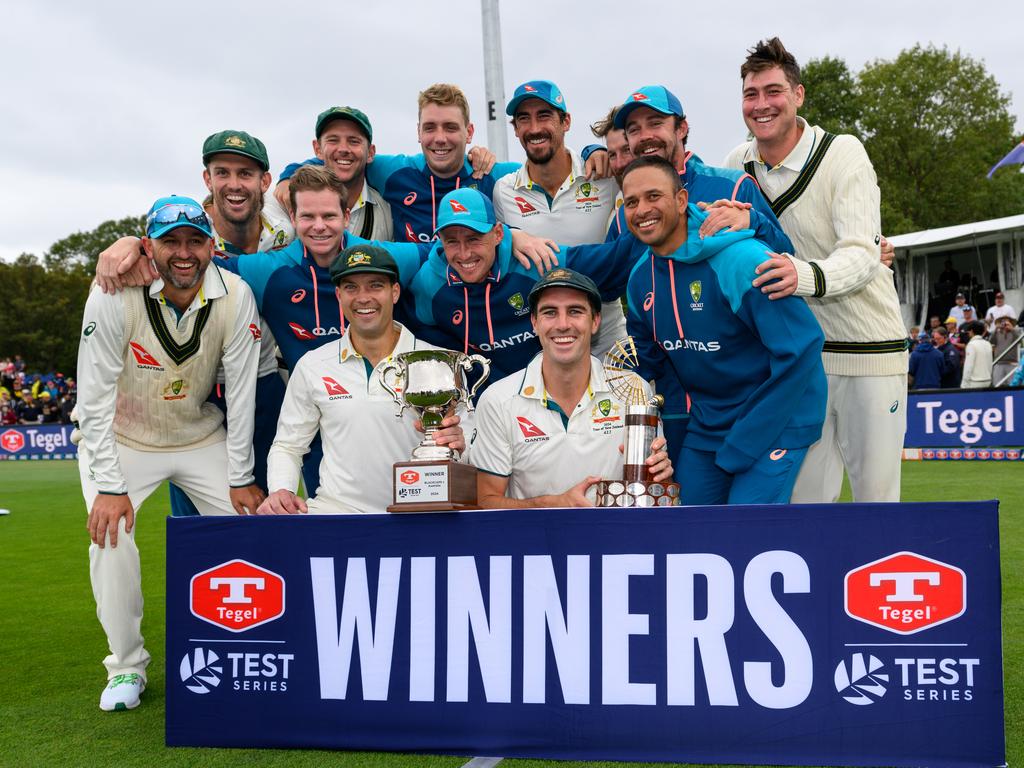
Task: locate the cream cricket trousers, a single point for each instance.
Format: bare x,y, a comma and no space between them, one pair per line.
115,572
865,421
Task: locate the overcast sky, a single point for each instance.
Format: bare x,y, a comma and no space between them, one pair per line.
106,104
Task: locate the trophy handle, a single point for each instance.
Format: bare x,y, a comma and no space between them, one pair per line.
393,366
467,363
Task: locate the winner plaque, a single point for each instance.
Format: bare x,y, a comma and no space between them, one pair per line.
433,384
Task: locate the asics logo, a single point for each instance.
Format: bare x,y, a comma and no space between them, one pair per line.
298,296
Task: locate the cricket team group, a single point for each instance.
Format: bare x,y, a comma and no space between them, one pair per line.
757,294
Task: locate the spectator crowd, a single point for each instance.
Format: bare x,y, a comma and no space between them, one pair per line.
34,398
965,352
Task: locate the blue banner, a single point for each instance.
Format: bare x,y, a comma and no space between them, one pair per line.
853,634
965,418
41,442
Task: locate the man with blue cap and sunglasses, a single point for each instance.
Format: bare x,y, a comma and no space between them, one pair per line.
550,196
147,361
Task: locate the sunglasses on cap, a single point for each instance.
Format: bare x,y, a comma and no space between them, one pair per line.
173,212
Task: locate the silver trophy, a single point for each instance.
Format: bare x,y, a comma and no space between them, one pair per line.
637,487
432,381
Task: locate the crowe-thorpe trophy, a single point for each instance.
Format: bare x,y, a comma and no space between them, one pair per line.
433,382
636,488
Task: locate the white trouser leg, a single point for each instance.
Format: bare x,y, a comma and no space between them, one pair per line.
821,476
115,572
871,424
202,474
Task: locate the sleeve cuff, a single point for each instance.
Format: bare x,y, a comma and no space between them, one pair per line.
810,280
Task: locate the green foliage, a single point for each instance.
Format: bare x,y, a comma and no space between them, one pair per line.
82,248
933,122
831,99
41,312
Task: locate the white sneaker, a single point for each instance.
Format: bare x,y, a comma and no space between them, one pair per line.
122,692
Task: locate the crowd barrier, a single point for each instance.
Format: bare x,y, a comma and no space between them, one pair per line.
853,634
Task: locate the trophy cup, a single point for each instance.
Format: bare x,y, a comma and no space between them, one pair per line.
432,382
637,487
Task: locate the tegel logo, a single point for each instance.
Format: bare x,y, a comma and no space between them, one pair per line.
199,670
12,441
237,596
860,680
905,593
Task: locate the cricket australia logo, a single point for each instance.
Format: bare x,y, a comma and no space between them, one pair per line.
605,406
517,303
696,289
200,671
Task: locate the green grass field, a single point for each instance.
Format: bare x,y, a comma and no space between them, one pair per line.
51,643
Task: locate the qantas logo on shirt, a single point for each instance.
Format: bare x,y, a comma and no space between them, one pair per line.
530,430
254,329
409,234
524,205
300,332
334,390
143,358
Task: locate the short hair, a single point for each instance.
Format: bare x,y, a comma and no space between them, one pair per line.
314,178
941,330
606,124
444,95
976,326
655,161
768,54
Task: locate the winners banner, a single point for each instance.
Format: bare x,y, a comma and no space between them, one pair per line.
852,634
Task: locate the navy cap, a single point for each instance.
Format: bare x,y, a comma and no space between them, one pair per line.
544,90
561,277
359,259
656,97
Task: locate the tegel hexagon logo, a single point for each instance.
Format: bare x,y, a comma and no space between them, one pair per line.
199,670
237,596
12,441
860,680
906,593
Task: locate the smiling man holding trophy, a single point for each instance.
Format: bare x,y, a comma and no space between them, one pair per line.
337,389
548,433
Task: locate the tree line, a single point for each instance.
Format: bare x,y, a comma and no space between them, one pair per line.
932,120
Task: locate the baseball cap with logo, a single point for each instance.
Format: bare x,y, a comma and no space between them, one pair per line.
175,211
360,259
236,143
656,97
465,207
344,113
560,277
544,90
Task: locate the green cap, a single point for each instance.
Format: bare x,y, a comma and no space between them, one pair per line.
236,143
344,113
358,259
561,277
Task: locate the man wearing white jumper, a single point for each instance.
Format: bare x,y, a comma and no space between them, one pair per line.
147,361
824,191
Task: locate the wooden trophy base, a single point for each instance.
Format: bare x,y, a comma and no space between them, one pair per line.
433,486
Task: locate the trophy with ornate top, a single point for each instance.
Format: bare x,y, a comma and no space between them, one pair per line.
637,487
432,382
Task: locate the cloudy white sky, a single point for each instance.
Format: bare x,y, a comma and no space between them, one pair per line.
106,104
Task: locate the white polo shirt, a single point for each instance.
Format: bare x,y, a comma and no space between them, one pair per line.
334,390
524,436
579,213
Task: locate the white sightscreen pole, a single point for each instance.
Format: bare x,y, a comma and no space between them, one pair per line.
494,80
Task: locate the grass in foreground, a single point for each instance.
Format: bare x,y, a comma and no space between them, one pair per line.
51,643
